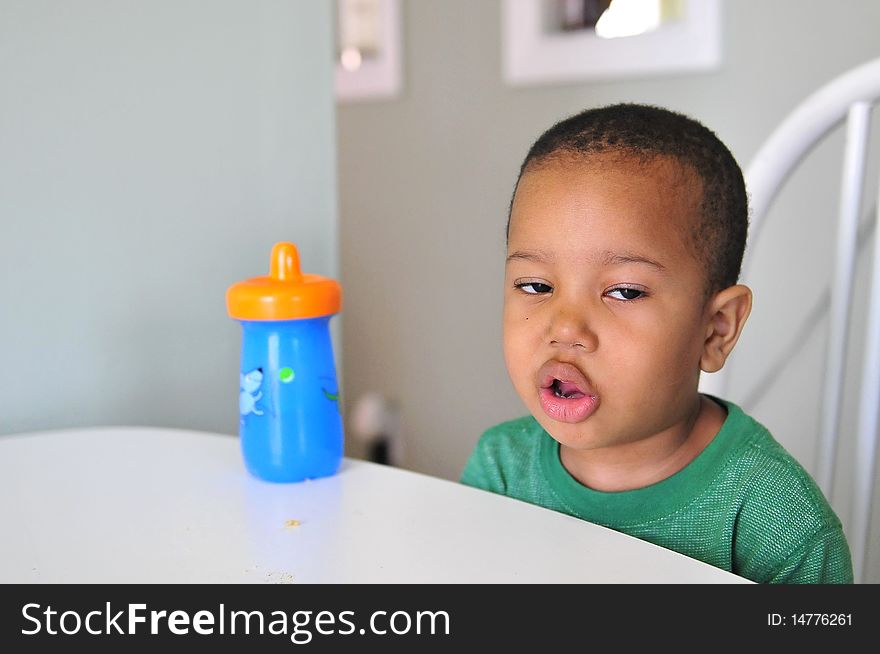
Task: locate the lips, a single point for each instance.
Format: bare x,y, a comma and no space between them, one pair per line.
564,392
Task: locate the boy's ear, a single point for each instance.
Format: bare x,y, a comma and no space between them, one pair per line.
727,314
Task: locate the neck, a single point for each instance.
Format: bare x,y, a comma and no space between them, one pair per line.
649,460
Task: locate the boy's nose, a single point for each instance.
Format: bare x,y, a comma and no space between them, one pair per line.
570,328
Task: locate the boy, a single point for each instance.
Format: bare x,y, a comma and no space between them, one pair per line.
625,238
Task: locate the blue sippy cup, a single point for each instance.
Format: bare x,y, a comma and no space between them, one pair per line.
289,414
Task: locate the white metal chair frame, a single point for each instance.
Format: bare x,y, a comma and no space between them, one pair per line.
849,97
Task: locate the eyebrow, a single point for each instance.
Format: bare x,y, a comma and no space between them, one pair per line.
529,255
619,258
607,258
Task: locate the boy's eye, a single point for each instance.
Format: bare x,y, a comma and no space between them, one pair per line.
534,288
625,293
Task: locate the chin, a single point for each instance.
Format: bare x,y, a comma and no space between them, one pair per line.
577,437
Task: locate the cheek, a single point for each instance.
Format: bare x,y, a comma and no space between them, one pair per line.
660,351
517,339
678,352
515,324
512,341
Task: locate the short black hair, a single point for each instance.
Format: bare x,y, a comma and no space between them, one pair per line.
646,133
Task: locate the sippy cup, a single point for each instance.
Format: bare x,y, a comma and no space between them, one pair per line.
289,415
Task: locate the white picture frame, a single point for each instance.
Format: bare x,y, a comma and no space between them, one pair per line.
378,76
532,54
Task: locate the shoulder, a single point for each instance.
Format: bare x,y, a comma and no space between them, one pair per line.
777,483
784,518
760,467
511,435
504,450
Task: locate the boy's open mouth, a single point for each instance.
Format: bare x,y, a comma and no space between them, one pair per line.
564,392
567,390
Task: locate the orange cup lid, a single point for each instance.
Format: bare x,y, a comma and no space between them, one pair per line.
285,293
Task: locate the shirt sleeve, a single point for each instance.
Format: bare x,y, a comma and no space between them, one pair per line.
475,473
824,559
482,469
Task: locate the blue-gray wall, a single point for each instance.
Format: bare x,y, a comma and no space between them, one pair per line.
151,153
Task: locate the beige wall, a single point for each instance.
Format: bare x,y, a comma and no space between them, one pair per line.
425,181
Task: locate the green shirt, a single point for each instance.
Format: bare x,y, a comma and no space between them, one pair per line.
743,504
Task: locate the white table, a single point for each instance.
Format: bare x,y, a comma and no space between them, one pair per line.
145,505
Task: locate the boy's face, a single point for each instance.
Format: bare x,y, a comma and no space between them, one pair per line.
604,303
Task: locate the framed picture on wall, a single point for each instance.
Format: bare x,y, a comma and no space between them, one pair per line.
547,41
368,49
